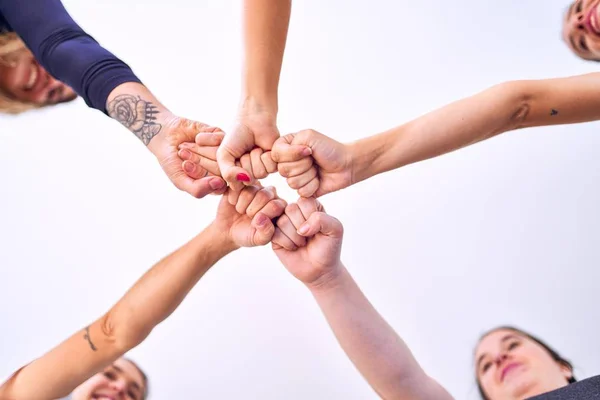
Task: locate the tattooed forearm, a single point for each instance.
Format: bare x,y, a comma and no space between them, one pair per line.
137,114
88,338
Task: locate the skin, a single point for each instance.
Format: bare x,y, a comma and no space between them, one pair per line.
266,25
308,242
511,366
581,29
122,380
24,79
152,299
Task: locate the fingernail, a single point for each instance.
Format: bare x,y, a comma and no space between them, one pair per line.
307,152
303,229
185,154
216,184
188,166
243,178
261,220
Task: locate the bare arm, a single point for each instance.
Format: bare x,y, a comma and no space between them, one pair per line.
371,343
152,299
266,25
505,107
308,243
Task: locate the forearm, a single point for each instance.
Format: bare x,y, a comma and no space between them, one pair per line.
160,290
266,25
502,108
152,299
136,108
452,127
371,343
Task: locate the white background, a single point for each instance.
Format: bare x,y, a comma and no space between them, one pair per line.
502,232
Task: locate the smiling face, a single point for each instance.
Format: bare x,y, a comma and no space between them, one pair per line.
25,80
581,29
120,381
509,365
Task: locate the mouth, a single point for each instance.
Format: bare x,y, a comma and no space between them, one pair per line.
102,397
34,74
592,20
509,368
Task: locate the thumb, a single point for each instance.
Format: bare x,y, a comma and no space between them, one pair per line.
233,174
284,151
264,229
319,222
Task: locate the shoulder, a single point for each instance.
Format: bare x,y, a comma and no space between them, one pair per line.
587,389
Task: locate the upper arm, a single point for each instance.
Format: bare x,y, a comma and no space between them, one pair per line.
65,50
60,371
559,101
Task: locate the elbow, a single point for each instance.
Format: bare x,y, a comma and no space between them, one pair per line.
516,99
123,332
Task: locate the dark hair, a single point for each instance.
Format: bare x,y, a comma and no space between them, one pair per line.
144,376
555,356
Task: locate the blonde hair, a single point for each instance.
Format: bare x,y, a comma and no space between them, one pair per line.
10,48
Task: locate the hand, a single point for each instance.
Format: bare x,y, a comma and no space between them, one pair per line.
255,127
199,157
245,216
328,170
308,242
165,147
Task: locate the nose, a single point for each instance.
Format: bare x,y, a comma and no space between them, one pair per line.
501,358
119,385
577,21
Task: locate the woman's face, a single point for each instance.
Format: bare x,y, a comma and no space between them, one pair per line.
581,29
120,381
510,366
24,79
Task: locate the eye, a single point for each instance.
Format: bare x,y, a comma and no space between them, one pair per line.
486,366
132,395
513,345
110,375
579,6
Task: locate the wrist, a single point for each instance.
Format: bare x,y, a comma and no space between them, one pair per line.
221,237
258,104
333,278
368,156
136,108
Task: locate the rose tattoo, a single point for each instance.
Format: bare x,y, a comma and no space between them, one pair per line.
137,115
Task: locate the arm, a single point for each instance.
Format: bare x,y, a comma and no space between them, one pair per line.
152,299
265,33
66,51
266,25
502,108
308,242
371,343
107,84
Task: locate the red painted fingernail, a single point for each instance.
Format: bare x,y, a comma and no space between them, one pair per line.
243,178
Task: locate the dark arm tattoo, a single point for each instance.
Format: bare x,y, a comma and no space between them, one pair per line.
88,338
137,114
553,112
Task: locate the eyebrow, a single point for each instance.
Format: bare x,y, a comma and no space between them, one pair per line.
504,339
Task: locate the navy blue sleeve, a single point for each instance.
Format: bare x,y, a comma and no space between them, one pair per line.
65,50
